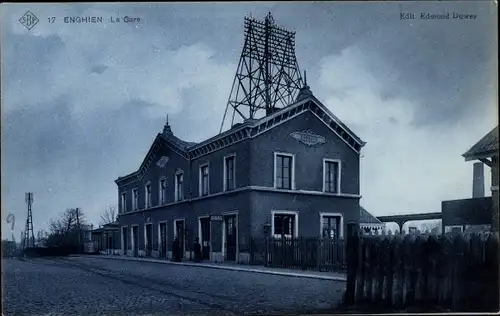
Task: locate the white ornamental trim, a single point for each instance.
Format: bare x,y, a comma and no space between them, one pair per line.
308,138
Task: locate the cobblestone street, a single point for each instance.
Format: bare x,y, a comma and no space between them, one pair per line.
92,286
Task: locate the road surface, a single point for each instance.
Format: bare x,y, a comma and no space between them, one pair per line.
93,286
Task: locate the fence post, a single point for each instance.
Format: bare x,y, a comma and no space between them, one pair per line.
389,286
457,284
266,252
352,261
283,252
318,254
492,266
303,256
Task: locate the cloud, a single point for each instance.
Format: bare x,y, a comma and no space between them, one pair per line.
95,103
405,168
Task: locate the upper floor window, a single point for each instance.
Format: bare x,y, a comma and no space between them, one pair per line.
331,175
135,199
163,191
284,171
179,180
123,202
229,173
204,179
147,201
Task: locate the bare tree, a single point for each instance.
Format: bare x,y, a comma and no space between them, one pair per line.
108,215
67,228
41,235
69,219
56,226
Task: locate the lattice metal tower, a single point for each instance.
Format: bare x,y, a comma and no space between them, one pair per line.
29,236
268,76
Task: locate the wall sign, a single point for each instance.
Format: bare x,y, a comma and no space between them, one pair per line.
308,138
162,162
216,218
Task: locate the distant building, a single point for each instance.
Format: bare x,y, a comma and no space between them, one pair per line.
106,238
370,223
479,213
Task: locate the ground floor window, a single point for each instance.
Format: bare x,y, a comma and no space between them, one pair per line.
284,224
331,226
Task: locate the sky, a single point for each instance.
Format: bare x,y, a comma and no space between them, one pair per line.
82,103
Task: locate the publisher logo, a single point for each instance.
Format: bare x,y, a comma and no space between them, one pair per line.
29,20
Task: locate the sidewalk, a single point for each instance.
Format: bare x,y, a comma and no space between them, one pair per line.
334,276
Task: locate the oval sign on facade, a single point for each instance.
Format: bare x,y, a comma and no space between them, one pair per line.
308,138
162,162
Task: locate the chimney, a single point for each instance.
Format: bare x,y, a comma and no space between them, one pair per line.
478,180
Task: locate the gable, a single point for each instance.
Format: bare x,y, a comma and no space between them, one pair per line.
312,105
302,132
159,142
253,128
366,218
485,147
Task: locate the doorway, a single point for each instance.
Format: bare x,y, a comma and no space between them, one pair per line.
110,247
149,239
205,237
163,240
135,240
230,233
179,233
125,240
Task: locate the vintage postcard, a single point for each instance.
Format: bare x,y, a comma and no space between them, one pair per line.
263,158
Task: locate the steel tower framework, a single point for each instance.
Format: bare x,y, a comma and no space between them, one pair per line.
268,75
29,236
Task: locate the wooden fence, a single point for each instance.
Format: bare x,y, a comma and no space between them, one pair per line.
321,254
455,272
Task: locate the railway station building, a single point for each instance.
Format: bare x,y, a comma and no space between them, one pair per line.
289,168
293,173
